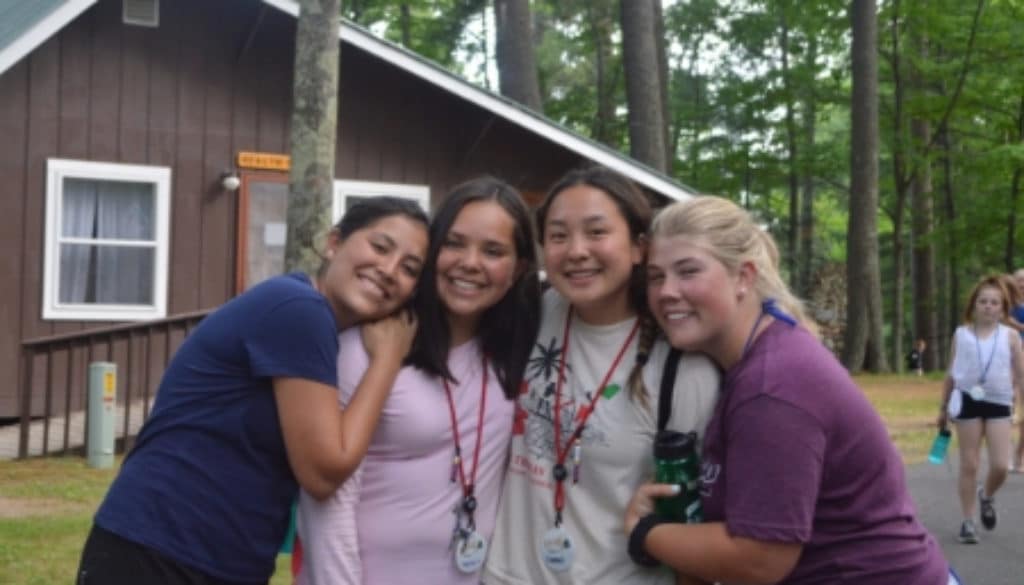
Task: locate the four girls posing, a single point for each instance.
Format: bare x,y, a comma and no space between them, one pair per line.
563,390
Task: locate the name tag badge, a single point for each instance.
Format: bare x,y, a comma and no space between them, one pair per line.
556,550
470,552
976,392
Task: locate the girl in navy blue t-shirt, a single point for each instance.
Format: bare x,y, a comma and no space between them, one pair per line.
247,412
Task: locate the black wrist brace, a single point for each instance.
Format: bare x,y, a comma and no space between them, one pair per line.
636,548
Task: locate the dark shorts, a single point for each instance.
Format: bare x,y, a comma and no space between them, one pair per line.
108,559
974,409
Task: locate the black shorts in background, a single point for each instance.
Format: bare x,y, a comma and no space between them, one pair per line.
108,559
975,409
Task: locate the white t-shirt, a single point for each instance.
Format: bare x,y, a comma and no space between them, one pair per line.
973,356
617,453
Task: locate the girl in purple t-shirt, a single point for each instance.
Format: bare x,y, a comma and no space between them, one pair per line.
800,482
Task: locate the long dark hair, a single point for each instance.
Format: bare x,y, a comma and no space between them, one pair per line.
508,329
635,208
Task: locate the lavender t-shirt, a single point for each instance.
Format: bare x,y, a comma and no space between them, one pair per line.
795,453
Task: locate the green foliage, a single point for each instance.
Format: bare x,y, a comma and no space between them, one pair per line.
737,68
434,28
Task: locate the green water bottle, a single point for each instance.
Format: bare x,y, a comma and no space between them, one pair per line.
676,462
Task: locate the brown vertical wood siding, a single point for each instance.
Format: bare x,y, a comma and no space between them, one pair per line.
189,95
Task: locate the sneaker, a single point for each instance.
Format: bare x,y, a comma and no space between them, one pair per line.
988,510
967,533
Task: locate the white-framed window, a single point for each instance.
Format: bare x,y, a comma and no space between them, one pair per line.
348,192
107,240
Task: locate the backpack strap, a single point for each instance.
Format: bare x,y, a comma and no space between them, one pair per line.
668,383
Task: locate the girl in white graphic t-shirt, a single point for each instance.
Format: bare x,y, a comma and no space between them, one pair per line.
585,420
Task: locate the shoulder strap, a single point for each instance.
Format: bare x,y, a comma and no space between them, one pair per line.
668,383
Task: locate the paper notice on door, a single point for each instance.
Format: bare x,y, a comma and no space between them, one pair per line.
274,233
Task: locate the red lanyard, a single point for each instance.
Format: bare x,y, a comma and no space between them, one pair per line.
559,470
468,499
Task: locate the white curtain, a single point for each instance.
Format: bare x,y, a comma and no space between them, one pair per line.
79,220
125,274
108,274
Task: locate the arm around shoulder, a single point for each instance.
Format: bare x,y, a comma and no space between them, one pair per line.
325,444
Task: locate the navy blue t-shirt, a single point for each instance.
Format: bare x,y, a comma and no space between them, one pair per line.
208,483
1018,314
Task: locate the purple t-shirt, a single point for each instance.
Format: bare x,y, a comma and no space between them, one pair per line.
795,453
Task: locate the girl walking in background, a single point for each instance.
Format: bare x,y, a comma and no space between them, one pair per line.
585,420
422,507
800,482
985,370
247,412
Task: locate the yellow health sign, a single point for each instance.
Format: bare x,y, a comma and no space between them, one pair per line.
264,160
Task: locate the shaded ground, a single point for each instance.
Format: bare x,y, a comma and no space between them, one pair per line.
999,558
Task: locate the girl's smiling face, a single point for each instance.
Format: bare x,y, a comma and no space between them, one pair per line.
692,295
477,264
589,253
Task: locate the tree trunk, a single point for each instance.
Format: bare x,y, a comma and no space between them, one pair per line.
405,21
925,325
899,169
643,83
517,65
806,243
313,132
953,245
664,83
792,154
601,29
1011,232
925,310
862,340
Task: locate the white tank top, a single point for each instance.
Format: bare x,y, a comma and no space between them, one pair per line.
984,362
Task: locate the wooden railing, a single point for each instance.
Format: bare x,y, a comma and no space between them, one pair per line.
55,369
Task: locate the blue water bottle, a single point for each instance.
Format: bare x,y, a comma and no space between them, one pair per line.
939,447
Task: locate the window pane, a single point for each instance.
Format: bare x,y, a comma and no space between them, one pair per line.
109,209
106,274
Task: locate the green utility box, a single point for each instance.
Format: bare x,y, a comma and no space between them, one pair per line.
99,445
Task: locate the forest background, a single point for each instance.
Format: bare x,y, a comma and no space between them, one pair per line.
882,145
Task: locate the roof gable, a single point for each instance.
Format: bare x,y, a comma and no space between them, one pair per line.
26,24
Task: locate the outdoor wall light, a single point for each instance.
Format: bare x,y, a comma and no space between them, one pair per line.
229,180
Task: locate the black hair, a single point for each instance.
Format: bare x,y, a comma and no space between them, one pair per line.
366,211
635,208
369,210
507,330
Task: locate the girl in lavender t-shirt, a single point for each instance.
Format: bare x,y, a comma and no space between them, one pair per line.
800,482
422,508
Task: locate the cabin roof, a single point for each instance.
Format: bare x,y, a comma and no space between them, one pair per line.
26,24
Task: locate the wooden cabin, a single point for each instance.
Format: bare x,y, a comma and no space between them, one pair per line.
144,175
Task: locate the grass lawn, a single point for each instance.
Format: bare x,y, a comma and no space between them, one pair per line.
46,505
